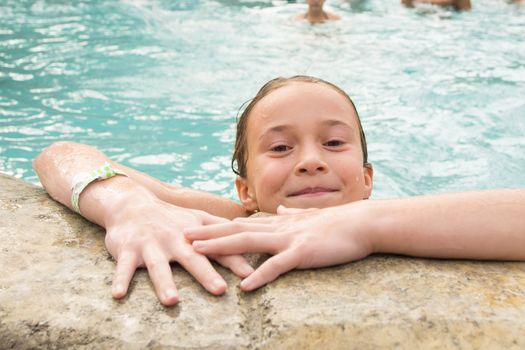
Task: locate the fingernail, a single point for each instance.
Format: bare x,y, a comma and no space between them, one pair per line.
218,285
198,244
119,289
171,294
245,284
247,270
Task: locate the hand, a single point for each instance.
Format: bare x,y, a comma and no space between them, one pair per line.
296,238
148,232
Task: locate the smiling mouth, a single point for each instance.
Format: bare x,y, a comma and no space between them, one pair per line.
312,191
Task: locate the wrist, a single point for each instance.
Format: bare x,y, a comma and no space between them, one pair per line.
84,179
357,222
366,221
384,226
127,203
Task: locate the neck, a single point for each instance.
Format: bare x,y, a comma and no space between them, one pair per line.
316,14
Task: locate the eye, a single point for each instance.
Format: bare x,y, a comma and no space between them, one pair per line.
280,148
334,143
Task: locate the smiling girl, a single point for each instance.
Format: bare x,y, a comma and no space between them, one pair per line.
300,145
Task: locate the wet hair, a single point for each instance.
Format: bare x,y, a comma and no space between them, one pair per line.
240,153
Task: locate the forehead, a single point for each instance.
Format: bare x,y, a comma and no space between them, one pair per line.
303,101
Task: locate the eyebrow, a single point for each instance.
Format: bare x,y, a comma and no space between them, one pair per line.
336,122
276,129
285,127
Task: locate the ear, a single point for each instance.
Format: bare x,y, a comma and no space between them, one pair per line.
368,173
246,195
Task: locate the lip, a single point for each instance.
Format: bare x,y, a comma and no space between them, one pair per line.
312,191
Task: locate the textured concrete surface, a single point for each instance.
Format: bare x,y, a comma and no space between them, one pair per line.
55,282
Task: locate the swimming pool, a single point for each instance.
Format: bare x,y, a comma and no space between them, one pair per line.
157,84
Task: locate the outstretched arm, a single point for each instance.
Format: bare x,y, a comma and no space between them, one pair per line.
461,5
484,225
142,229
488,225
58,163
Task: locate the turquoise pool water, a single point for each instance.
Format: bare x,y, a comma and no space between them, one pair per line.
157,84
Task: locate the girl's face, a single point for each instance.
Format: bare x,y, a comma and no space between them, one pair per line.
304,151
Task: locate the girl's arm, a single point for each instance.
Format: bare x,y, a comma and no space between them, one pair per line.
69,157
462,5
473,225
477,225
187,197
141,229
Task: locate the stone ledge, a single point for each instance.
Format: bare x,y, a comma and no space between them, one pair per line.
55,293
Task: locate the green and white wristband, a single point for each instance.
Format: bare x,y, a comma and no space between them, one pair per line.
82,180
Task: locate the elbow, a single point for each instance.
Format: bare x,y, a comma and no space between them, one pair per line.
49,152
42,156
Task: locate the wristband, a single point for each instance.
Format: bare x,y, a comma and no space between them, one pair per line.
82,180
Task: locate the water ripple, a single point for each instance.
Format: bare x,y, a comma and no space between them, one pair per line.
158,84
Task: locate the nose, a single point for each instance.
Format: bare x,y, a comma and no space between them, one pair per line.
311,162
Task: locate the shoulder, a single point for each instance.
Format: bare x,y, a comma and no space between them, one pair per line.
333,16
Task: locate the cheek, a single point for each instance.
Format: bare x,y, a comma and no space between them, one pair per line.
350,171
269,173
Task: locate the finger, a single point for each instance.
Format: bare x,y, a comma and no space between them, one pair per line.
126,266
282,210
159,270
222,230
200,268
257,220
246,242
270,270
208,219
207,232
236,263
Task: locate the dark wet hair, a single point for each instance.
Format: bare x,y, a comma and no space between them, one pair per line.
240,153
